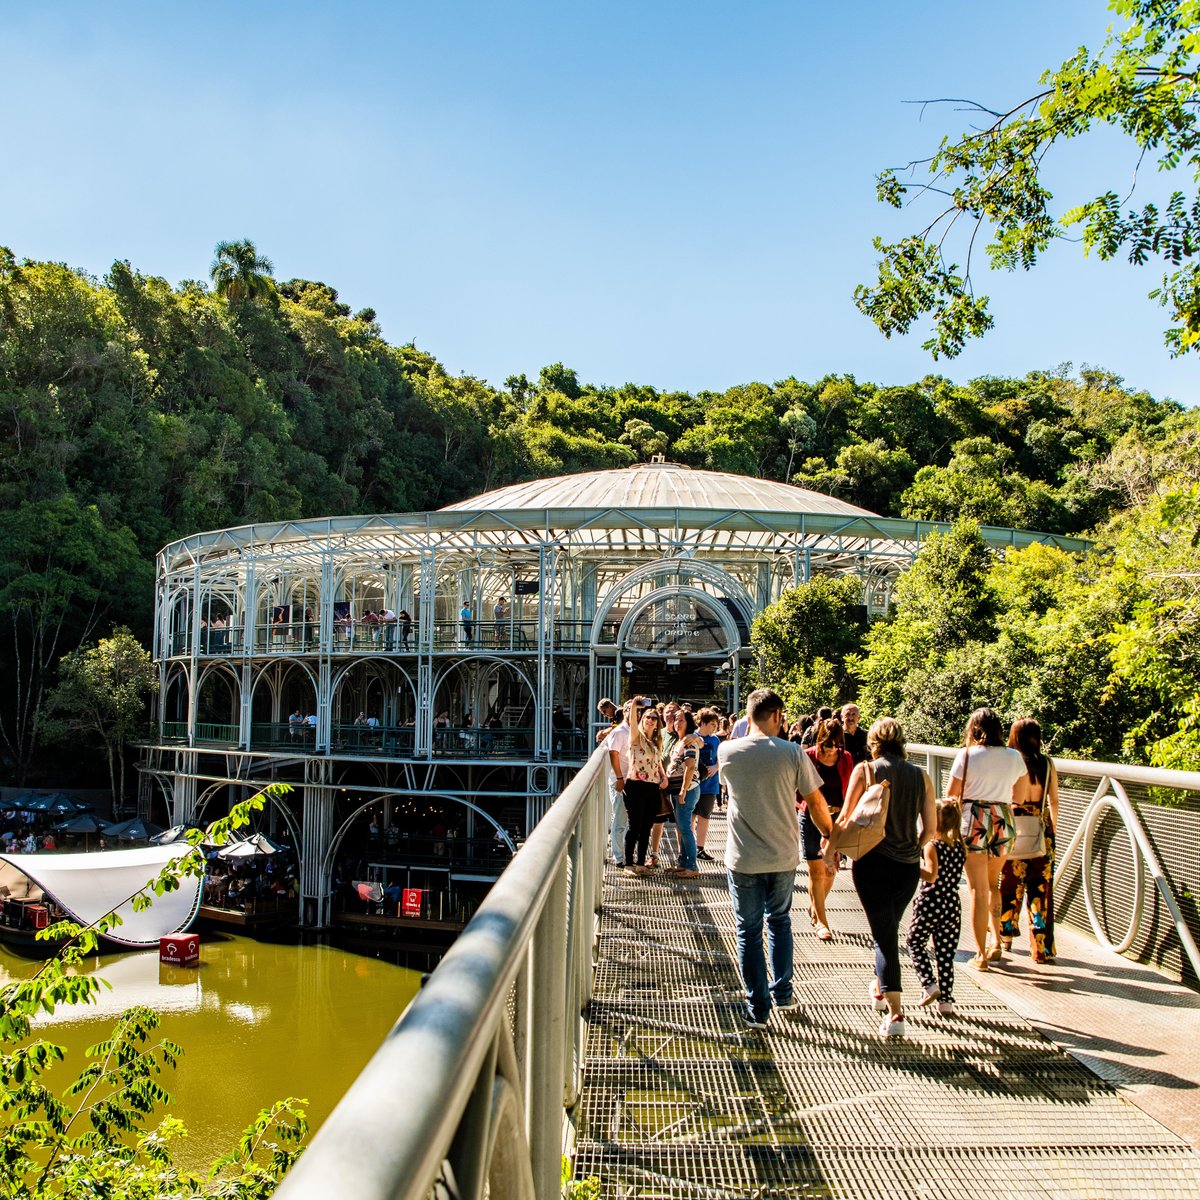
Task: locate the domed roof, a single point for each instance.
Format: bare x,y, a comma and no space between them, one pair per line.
657,485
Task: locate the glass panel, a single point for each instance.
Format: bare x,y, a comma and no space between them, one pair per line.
677,625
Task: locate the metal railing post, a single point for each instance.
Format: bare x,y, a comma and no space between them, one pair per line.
546,1030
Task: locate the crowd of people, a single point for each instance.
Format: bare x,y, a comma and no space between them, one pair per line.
250,885
809,788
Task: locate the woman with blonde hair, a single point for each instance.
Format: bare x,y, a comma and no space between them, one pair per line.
988,779
646,777
886,877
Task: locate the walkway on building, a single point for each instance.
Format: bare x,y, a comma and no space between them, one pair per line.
680,1100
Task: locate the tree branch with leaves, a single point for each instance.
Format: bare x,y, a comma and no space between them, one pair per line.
1144,84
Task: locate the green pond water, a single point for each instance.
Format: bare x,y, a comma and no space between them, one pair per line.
257,1021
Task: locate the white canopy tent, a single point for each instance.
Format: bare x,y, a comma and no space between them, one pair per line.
88,886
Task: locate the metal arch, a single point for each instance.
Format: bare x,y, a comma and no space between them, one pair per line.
1144,857
288,817
732,635
381,793
480,658
697,567
211,670
282,666
336,681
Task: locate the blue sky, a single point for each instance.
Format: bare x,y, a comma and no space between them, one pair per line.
676,194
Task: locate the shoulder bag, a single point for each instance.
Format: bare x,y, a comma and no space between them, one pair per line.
1030,839
865,828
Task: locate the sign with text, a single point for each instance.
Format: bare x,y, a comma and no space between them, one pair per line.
412,902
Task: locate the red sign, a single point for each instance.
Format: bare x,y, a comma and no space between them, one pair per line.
179,950
412,901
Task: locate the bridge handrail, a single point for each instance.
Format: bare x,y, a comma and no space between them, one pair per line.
452,1089
1110,794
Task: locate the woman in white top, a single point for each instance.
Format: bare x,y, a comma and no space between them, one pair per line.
989,779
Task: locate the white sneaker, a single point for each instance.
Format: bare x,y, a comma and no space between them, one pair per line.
946,1009
892,1026
876,996
929,995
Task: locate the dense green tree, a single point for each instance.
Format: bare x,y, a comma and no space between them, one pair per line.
101,694
941,604
62,572
1143,84
802,640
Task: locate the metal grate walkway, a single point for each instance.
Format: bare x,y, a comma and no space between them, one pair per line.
680,1101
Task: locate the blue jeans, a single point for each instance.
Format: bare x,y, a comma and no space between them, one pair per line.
620,822
685,807
753,896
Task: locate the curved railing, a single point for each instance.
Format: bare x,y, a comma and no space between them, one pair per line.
471,1085
1110,796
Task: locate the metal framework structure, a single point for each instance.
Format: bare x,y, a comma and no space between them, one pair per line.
528,604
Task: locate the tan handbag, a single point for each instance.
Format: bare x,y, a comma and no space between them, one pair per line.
865,828
1030,839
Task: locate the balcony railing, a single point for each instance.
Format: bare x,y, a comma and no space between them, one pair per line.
303,637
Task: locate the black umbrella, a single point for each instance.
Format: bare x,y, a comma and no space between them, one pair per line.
56,805
22,802
135,830
84,823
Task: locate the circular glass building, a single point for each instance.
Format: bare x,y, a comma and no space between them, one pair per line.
460,653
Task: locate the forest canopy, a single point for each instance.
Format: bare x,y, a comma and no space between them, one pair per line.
135,411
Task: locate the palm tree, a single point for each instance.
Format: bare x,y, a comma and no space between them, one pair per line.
239,272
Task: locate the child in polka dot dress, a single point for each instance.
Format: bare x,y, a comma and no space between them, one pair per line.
937,909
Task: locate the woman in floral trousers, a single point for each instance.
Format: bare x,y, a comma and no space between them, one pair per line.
1032,879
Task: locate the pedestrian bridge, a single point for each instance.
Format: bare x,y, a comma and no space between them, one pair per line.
588,1014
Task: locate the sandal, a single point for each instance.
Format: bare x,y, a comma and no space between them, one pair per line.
979,962
824,933
1006,943
652,862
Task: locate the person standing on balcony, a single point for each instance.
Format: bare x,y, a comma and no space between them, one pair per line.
467,621
405,621
500,621
764,773
296,725
387,619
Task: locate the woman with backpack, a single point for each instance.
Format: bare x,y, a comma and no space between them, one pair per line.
886,876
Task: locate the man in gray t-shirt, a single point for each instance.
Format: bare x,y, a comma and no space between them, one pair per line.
764,773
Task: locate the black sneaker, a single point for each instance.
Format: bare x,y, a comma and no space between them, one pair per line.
704,854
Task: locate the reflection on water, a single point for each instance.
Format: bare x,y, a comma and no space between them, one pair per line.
257,1021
